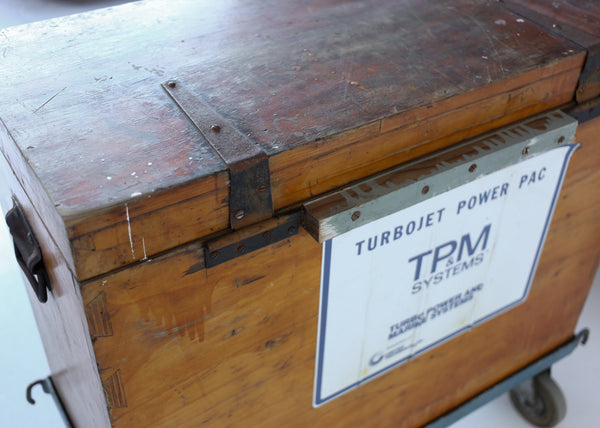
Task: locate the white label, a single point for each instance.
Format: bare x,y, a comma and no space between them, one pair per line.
405,283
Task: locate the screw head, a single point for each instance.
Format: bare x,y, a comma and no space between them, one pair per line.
473,167
526,151
239,214
425,190
292,230
215,128
561,139
262,188
214,254
355,215
171,83
241,248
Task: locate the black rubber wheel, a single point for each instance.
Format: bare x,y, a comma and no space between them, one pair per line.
540,401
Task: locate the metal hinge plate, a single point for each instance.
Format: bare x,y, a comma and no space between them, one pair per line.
252,238
250,198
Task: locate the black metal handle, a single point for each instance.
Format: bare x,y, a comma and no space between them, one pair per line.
28,252
49,388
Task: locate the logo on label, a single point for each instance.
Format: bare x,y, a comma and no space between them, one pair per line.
469,253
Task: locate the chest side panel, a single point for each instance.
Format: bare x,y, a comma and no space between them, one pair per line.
61,320
236,343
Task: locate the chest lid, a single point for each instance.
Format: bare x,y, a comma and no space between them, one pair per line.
142,126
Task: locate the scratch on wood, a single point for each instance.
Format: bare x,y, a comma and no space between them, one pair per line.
144,246
240,282
51,98
345,92
129,230
492,46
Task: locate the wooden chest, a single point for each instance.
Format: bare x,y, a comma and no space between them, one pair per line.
178,163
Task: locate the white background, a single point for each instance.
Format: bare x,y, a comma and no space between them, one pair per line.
22,359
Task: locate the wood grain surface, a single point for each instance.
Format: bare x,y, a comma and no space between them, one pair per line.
332,91
61,320
124,192
574,20
577,20
235,344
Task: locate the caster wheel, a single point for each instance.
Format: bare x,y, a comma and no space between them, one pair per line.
540,401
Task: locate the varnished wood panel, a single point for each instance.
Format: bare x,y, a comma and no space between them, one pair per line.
300,173
61,320
307,171
574,20
101,137
235,344
149,225
577,20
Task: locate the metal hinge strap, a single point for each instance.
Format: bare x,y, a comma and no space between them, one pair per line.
239,243
250,198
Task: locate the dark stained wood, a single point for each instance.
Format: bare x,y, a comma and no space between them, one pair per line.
120,161
585,111
575,20
235,344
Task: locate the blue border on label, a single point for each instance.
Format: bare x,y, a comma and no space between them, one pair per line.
323,322
318,400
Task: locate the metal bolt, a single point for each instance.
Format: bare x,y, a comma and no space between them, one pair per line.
215,128
292,230
561,139
241,248
262,188
214,254
556,26
355,215
473,167
239,214
171,83
526,151
425,190
266,234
